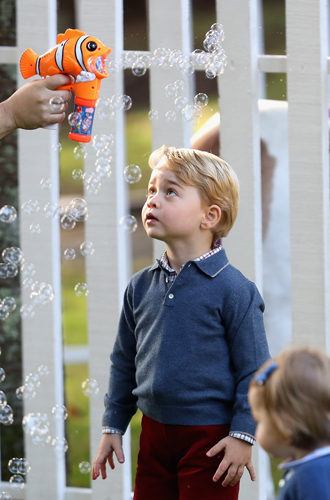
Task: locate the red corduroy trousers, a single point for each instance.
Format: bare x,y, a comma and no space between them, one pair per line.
172,463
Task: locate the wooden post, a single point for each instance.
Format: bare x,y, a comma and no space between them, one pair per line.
42,335
307,81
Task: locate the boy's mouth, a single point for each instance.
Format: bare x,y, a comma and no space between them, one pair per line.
150,216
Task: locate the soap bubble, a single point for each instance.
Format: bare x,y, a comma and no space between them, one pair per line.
171,90
80,152
77,174
35,228
8,214
46,183
60,412
74,119
201,100
6,415
179,84
30,206
57,104
92,182
57,146
102,141
210,72
20,392
5,496
170,116
27,282
16,481
114,66
77,209
132,173
12,254
122,102
13,465
27,270
153,115
218,27
43,370
81,289
103,167
180,103
68,222
69,254
52,210
10,303
32,380
174,56
40,435
3,399
12,270
60,445
90,387
33,421
139,67
199,57
186,65
3,271
42,293
24,466
130,58
104,108
2,374
27,311
128,223
87,248
190,113
84,468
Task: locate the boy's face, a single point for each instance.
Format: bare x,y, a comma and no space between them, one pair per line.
173,211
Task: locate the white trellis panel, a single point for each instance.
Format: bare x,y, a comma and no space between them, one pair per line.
41,336
169,27
240,146
309,169
107,270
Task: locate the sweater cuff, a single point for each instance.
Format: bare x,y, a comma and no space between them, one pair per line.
242,435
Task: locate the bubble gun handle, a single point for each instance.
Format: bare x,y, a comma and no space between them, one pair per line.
82,119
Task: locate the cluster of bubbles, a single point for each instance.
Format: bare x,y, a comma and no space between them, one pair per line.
107,106
32,382
4,495
213,59
37,426
12,257
8,214
19,467
41,293
6,411
86,248
190,112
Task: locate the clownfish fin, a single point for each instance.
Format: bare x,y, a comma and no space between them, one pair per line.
69,34
28,63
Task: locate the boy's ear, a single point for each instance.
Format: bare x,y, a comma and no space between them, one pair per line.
212,217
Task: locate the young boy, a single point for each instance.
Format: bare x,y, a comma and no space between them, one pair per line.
29,107
190,338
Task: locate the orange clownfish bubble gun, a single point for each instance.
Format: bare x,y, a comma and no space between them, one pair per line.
83,57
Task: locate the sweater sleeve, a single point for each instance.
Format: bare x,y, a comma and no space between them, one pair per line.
120,402
248,349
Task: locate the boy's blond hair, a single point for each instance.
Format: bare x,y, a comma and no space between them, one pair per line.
215,179
296,396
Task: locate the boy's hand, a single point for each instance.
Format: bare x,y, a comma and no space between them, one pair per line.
29,107
237,456
109,443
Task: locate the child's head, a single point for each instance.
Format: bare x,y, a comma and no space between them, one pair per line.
216,181
291,396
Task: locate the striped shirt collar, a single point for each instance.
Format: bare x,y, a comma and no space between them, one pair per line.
172,273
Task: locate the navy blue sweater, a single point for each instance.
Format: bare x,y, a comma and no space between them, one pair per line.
307,481
186,351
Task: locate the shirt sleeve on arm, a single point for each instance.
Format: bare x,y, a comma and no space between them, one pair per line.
120,402
248,348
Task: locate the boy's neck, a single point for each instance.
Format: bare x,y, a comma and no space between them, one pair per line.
178,256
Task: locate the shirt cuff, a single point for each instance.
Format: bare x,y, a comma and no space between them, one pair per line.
110,430
241,435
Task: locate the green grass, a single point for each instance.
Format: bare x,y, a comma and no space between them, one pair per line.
77,425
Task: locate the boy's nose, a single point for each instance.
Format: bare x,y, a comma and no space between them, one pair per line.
152,202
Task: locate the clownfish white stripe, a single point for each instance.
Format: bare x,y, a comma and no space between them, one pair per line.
38,66
78,52
59,54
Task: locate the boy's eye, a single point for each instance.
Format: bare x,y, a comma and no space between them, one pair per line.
171,192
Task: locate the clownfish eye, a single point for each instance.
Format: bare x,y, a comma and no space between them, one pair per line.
91,46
